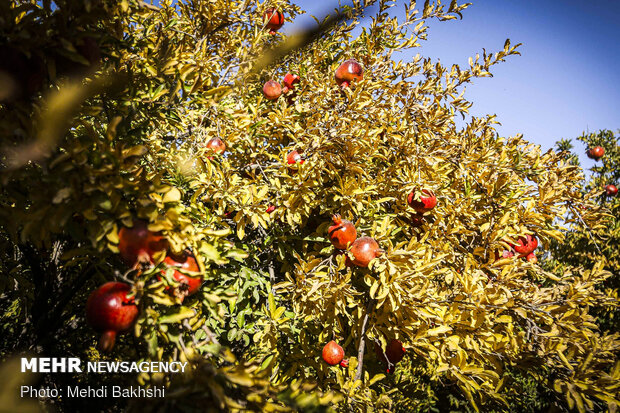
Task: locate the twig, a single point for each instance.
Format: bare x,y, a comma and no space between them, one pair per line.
362,345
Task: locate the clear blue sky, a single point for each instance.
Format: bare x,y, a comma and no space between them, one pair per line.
565,81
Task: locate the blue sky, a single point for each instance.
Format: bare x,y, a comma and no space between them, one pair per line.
564,83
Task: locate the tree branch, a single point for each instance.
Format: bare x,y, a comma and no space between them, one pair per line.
362,345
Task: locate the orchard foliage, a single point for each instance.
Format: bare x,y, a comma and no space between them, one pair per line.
598,241
118,130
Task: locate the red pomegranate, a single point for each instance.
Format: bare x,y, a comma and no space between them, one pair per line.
364,250
342,233
332,353
272,90
349,71
186,262
270,209
289,82
110,311
531,257
395,351
216,145
274,20
294,157
595,153
137,244
611,190
427,200
525,245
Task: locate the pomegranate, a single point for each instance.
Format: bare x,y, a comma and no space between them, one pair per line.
289,82
342,233
525,245
427,200
364,250
332,353
216,145
137,244
595,153
531,257
294,157
349,71
272,90
186,262
270,209
274,20
393,353
611,190
110,311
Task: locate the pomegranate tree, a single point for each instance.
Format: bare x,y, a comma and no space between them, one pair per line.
342,233
110,311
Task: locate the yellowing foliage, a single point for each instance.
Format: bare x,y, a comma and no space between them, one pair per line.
173,76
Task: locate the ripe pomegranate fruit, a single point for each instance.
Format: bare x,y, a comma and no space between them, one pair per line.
531,257
332,353
272,90
270,209
216,145
274,20
289,82
394,353
364,250
186,262
427,200
110,311
294,158
525,245
349,71
137,244
611,190
595,153
342,233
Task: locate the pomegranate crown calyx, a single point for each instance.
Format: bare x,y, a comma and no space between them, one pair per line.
337,219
